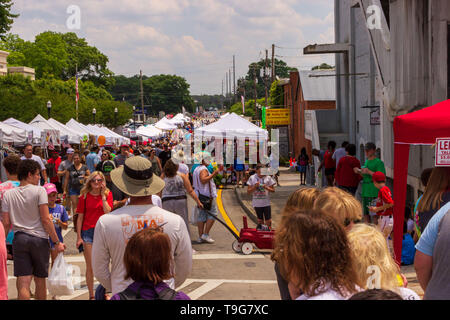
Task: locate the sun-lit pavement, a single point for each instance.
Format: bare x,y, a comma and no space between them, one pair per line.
218,272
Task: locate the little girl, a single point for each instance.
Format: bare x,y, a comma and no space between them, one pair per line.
58,214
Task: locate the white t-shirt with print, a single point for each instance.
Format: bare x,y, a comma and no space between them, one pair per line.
261,197
113,231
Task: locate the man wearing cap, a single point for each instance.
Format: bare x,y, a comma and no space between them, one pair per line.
369,191
136,179
119,198
119,160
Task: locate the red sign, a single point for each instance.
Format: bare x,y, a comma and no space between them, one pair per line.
442,152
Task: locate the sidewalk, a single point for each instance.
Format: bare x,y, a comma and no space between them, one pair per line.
290,181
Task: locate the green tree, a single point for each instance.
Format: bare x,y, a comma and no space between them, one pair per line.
276,94
323,66
6,17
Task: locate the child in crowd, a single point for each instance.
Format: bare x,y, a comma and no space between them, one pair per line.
385,205
58,214
408,247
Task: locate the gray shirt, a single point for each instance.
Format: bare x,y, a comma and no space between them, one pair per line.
63,167
23,203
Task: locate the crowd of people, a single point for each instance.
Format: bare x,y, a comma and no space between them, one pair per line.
129,209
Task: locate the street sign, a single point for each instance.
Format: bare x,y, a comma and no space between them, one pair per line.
278,117
375,118
442,152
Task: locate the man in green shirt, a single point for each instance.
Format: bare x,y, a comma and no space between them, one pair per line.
369,191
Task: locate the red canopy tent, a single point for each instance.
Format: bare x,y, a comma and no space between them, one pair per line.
416,128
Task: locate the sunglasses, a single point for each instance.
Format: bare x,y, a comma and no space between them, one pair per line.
97,180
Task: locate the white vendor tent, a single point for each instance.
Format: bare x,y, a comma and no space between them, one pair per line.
149,131
79,127
73,137
98,131
233,125
165,124
122,139
12,134
28,128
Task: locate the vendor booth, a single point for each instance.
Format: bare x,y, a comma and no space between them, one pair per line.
11,134
422,127
32,131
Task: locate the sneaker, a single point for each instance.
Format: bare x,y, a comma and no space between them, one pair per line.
207,238
200,240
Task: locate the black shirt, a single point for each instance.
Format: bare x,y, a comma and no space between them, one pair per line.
164,156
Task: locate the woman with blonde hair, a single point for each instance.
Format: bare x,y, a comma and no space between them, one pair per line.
95,200
340,205
437,194
315,257
301,199
375,266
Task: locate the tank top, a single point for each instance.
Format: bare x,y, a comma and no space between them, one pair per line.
155,166
174,187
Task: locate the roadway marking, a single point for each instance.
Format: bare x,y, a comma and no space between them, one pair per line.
223,213
212,284
198,256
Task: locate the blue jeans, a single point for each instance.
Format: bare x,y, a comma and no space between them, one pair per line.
88,235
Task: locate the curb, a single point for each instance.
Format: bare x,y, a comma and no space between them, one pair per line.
248,210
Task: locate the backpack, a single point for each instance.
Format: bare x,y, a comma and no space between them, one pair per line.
165,294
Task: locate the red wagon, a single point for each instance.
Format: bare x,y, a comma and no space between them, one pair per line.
249,237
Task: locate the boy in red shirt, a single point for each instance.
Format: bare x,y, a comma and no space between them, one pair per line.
385,204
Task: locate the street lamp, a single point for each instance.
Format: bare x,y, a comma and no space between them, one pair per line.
115,117
134,117
93,114
49,107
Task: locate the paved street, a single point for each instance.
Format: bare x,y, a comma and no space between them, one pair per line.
218,272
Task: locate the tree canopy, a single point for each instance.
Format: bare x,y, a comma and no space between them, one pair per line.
323,66
6,17
23,99
59,54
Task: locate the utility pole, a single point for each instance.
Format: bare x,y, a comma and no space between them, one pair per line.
256,94
226,85
142,100
273,63
234,77
231,88
265,76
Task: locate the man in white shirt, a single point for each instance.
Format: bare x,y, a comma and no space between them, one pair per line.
136,179
28,154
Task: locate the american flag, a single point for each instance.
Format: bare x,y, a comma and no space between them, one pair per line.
76,88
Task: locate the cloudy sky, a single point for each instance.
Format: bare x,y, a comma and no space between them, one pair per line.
195,39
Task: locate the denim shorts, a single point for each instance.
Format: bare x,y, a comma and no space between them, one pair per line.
73,192
203,215
88,235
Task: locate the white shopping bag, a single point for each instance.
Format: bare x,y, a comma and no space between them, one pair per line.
194,216
59,282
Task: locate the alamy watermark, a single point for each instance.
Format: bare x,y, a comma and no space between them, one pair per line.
73,22
374,17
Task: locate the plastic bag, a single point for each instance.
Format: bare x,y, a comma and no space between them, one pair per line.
194,216
59,282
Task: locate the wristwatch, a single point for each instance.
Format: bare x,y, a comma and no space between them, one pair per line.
57,242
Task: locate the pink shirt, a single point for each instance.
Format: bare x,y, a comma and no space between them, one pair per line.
3,265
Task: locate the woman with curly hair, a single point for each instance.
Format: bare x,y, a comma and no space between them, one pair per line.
315,257
301,199
372,255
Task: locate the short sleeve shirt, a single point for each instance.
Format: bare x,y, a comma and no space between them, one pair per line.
261,197
328,159
429,236
368,188
35,158
58,212
23,203
75,175
94,209
385,197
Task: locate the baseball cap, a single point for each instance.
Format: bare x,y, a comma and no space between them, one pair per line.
379,177
124,145
70,151
50,188
107,167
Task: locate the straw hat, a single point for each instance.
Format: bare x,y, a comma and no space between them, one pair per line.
178,157
135,178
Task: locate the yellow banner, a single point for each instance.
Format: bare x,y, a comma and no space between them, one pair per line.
278,117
